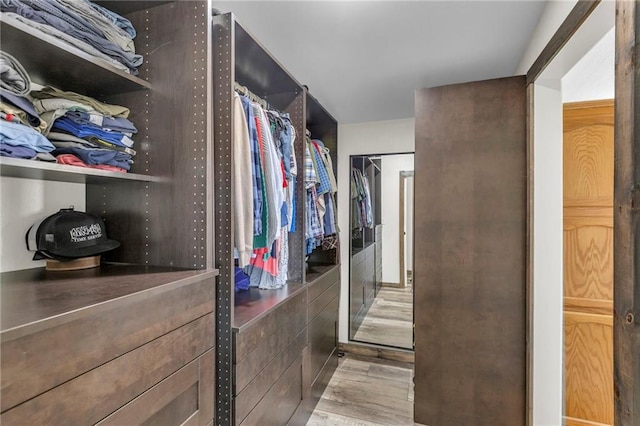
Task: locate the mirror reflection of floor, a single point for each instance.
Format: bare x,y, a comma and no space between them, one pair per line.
390,319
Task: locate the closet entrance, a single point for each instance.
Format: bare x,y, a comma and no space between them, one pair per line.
381,256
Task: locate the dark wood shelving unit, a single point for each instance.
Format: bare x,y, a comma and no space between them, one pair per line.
146,316
284,324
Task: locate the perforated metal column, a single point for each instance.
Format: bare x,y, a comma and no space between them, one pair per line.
223,78
297,240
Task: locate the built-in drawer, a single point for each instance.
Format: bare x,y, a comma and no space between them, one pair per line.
319,303
96,394
261,385
184,398
277,407
38,357
318,286
258,344
323,336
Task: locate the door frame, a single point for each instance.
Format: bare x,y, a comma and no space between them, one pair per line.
404,175
626,200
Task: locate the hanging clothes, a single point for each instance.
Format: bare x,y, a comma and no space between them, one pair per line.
243,185
321,187
265,140
361,202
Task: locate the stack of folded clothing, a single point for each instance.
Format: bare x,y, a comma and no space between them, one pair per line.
21,127
80,23
86,132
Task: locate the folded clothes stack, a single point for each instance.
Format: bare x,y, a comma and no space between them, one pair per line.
84,131
80,23
21,128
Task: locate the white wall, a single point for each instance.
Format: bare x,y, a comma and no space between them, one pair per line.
377,137
593,77
548,348
23,202
392,165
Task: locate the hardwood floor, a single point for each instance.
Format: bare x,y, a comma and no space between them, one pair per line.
367,392
390,319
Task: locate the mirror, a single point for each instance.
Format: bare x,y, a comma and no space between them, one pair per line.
381,250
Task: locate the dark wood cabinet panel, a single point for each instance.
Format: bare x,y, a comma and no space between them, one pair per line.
277,407
322,338
92,396
185,397
470,254
319,304
362,286
261,384
249,337
318,286
267,350
93,333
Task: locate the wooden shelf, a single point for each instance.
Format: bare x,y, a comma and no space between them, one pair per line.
33,295
41,170
51,61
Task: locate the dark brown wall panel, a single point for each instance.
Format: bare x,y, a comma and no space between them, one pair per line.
626,219
470,263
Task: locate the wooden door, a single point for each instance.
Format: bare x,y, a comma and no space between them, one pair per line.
470,254
588,262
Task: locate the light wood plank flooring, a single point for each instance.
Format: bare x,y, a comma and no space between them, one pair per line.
368,392
390,319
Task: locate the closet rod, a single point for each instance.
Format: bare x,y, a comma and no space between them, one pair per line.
249,94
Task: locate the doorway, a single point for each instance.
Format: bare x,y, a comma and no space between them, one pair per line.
573,228
588,163
405,207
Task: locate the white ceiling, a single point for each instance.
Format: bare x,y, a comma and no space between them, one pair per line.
363,59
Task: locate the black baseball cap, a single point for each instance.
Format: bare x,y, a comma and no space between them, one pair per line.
67,235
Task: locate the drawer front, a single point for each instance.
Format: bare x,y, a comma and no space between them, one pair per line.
323,300
277,407
322,337
260,385
35,363
253,338
184,398
92,396
266,349
319,286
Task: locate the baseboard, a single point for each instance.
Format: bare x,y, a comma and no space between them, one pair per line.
373,351
393,285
